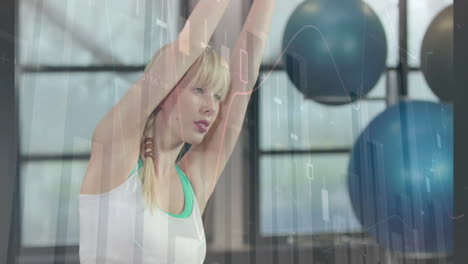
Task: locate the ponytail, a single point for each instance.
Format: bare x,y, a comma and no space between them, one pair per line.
148,175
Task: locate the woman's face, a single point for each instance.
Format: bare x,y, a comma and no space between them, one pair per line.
193,111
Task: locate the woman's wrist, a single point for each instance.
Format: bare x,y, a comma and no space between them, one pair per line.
265,3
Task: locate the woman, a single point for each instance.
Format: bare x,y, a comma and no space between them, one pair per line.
187,94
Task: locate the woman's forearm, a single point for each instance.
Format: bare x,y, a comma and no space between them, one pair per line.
246,58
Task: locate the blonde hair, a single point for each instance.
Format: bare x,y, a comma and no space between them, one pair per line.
210,69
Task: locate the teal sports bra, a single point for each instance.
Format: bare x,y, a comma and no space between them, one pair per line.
188,191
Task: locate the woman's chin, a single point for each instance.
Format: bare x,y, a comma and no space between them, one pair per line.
196,140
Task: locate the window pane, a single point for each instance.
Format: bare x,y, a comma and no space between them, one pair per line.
59,111
49,202
386,10
419,89
76,32
420,15
306,194
288,121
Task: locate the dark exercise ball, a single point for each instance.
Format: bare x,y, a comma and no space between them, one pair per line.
335,50
400,178
437,55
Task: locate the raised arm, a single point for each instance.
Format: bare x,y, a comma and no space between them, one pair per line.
246,58
245,61
127,118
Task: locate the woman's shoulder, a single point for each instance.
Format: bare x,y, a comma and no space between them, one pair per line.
104,177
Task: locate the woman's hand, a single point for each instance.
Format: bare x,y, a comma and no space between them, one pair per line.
202,23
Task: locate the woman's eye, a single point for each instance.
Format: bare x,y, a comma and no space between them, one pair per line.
218,97
199,89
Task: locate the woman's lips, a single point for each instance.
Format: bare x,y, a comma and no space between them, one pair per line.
201,128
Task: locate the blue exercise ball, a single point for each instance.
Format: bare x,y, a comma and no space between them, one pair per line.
400,178
334,50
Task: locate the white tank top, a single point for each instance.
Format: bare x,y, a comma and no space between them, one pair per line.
116,228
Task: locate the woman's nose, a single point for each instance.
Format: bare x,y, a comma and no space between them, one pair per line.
209,106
